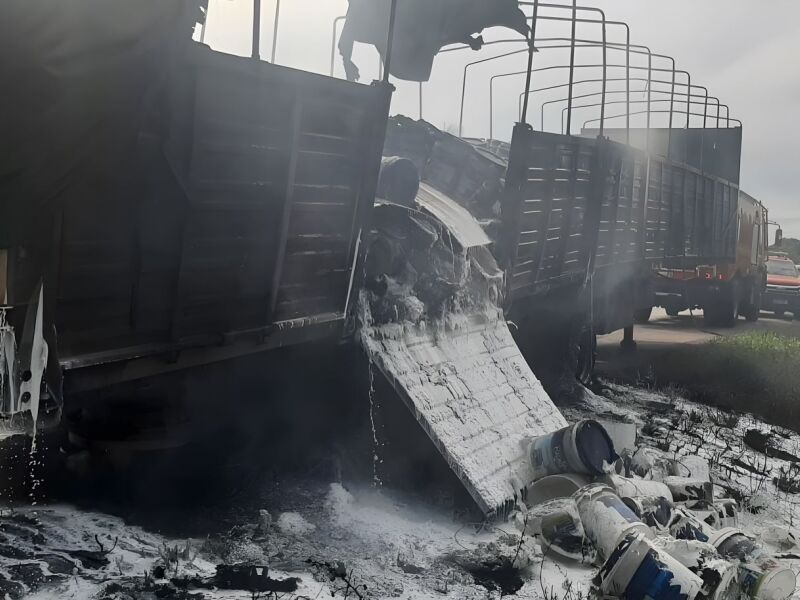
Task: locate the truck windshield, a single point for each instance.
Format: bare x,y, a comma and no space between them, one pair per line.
781,267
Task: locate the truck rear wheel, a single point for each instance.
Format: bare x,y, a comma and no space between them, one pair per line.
752,309
642,315
724,311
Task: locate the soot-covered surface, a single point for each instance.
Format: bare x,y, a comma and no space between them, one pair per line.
396,544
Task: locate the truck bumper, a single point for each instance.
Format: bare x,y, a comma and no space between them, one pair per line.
781,301
689,293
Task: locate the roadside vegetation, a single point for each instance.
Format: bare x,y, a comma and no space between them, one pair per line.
753,372
791,246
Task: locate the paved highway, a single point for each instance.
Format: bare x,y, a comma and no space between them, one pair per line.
664,332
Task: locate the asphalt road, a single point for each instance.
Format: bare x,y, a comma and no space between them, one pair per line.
663,333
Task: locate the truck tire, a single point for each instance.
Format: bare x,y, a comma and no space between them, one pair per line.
724,312
752,309
642,315
672,311
587,355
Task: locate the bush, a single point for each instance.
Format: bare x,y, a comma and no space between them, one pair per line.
753,372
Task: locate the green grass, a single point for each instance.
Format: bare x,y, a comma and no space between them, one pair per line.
753,372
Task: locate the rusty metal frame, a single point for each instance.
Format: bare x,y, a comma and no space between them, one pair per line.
574,21
641,112
705,98
531,46
681,94
554,67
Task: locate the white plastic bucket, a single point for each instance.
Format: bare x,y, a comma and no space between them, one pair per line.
558,526
686,489
627,487
730,542
654,511
767,580
686,526
637,570
583,448
606,519
701,558
554,486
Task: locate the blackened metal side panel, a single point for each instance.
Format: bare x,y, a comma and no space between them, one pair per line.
544,206
275,182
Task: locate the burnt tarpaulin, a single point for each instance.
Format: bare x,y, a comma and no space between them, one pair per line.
75,78
422,28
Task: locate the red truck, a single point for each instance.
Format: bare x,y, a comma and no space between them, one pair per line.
729,286
783,286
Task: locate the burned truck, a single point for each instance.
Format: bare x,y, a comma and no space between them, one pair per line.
174,207
227,209
578,224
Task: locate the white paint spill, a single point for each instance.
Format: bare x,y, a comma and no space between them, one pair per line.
472,391
292,523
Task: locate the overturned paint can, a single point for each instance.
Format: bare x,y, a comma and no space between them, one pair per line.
719,514
583,448
732,543
627,487
649,462
701,558
637,570
654,511
767,580
606,519
558,526
554,486
688,489
720,579
686,526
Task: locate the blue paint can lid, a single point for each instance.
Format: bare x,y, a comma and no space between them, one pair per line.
594,445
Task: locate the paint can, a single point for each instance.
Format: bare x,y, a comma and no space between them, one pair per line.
554,486
649,462
688,489
767,580
722,513
701,558
686,526
637,570
606,519
583,447
720,580
558,526
654,511
627,487
732,543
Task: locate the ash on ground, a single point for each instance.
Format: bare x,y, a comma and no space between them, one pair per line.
326,540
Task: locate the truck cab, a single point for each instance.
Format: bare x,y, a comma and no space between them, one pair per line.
783,286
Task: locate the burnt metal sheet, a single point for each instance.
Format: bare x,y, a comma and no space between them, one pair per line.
548,188
460,223
239,210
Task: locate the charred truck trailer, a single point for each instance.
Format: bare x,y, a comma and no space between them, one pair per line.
725,238
178,207
581,225
206,207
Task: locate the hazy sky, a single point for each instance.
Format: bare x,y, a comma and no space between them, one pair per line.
744,52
